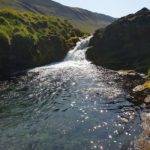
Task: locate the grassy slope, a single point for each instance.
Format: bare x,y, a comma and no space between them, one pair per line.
28,39
85,20
34,24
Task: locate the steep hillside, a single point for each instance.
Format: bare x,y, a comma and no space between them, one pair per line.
28,40
83,19
125,44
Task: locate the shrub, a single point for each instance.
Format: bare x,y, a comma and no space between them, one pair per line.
74,39
3,21
10,14
78,32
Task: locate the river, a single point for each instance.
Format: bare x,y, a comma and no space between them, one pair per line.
70,105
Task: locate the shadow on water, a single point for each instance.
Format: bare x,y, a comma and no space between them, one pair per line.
68,105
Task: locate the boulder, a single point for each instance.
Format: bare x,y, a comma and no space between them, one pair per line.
125,44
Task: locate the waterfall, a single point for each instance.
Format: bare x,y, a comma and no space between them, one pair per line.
75,57
78,53
68,98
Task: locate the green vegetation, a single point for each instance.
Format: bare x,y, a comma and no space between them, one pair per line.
82,19
28,39
35,25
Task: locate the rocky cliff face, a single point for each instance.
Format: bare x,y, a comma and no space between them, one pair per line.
125,44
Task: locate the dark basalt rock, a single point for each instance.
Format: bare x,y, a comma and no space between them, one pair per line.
125,44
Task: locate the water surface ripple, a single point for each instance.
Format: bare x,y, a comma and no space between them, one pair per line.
68,105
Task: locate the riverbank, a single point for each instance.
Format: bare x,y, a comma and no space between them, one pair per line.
124,44
137,86
72,99
29,40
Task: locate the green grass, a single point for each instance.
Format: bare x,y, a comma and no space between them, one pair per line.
12,22
84,20
30,39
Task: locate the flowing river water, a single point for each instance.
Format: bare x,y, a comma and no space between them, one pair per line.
70,105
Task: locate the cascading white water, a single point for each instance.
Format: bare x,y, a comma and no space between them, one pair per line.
72,98
75,57
75,64
78,53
